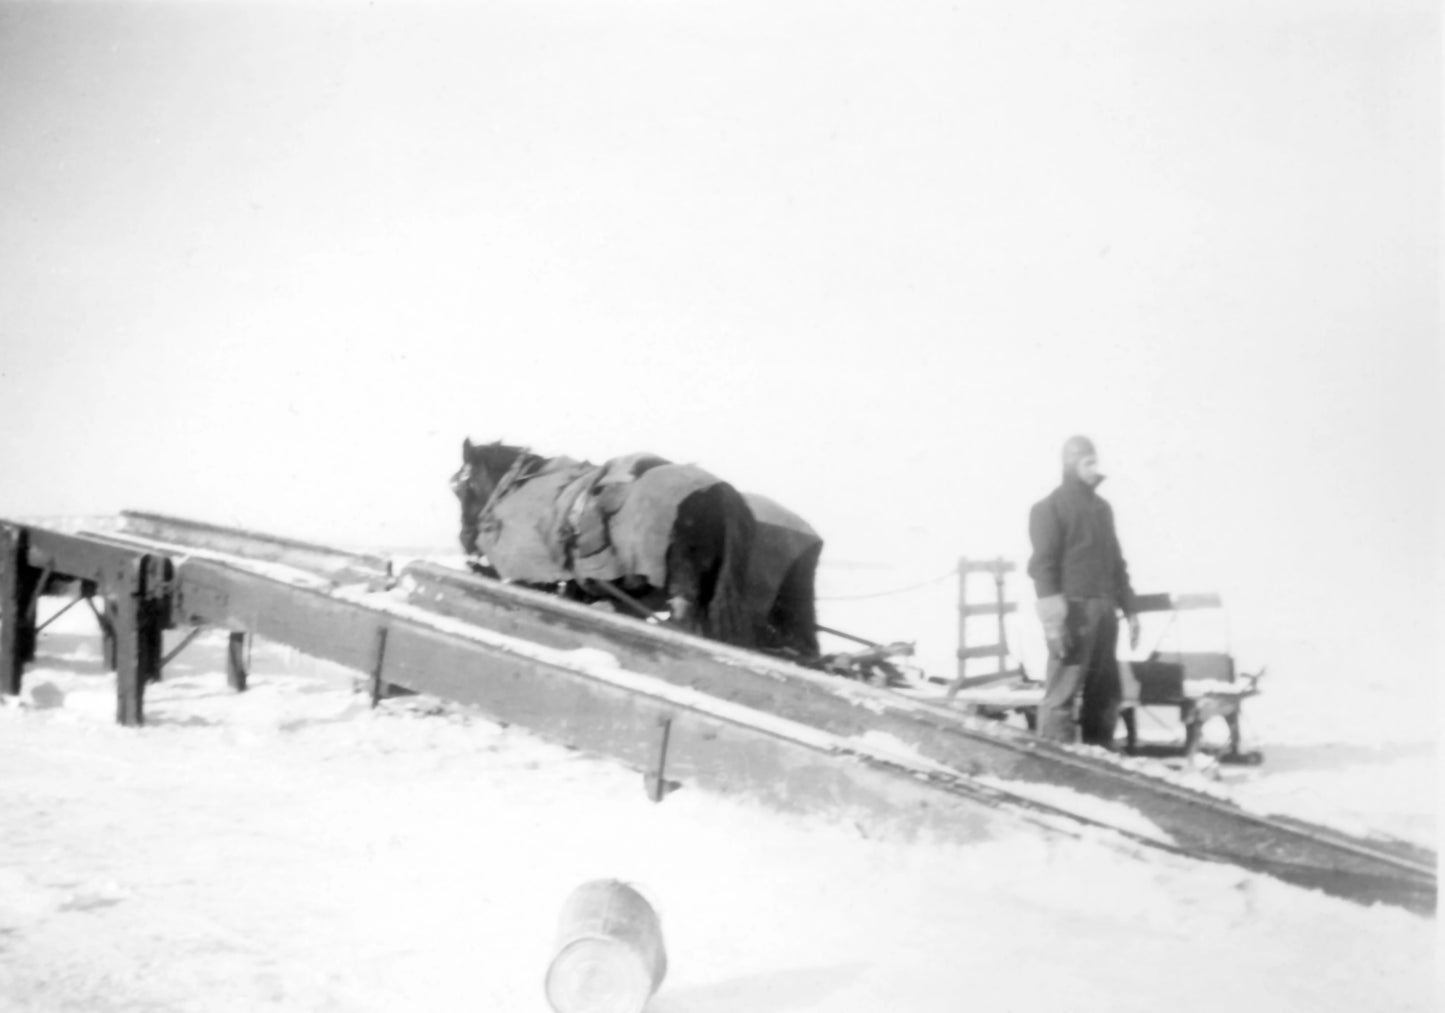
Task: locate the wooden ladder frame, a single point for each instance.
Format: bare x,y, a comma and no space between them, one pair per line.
998,569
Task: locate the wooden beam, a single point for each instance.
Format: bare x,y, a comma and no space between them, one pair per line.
617,713
339,565
14,607
139,623
106,619
968,682
236,670
983,651
963,571
1166,602
738,721
39,627
840,707
989,608
1197,600
87,557
186,641
996,566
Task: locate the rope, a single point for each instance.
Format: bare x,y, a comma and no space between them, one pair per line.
950,575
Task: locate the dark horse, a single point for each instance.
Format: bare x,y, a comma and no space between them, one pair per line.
654,535
781,577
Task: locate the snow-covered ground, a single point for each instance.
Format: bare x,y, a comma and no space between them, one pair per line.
289,848
1355,749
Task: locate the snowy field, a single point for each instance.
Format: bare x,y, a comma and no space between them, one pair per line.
291,849
267,264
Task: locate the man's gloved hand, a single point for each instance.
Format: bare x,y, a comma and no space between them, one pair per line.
1054,613
1133,622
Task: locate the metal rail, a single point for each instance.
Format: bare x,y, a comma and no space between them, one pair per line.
676,707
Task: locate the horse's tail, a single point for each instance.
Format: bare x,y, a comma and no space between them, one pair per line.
727,615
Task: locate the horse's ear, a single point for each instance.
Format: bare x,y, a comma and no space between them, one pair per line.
466,449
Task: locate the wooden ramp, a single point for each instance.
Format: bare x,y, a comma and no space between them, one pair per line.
678,709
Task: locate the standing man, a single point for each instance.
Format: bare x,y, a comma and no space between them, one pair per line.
1081,579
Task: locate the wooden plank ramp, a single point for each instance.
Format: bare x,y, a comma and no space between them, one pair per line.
686,711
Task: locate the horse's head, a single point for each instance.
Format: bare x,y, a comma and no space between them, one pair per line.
483,467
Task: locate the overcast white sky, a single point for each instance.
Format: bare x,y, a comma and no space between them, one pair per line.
268,264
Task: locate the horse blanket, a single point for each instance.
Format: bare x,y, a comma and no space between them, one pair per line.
781,537
781,571
560,519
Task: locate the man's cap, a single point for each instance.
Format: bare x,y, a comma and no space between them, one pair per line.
1076,448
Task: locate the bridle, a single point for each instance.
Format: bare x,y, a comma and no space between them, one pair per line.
461,482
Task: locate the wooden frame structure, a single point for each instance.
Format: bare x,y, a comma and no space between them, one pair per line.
998,570
678,709
1161,679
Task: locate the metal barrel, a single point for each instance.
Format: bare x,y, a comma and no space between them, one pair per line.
609,953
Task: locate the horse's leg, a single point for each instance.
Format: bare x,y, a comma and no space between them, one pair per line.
683,612
793,618
686,574
713,534
695,554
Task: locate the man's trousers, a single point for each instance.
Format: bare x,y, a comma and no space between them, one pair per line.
1082,689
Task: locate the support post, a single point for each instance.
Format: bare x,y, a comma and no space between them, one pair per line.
236,661
17,622
655,780
962,619
107,633
378,668
106,621
186,641
38,581
59,612
139,621
999,570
